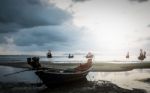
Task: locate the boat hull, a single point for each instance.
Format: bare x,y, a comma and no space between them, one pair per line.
51,79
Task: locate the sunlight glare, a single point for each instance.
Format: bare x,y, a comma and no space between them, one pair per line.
109,34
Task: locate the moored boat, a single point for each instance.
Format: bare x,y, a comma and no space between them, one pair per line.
58,77
53,76
49,54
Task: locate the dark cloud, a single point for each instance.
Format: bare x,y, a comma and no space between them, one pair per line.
30,24
9,27
2,38
53,37
140,1
29,13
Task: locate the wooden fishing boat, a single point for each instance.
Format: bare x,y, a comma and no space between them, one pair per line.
58,77
49,54
52,76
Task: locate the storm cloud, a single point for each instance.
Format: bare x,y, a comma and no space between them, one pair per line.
29,13
46,35
35,22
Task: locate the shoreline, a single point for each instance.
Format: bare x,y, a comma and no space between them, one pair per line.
102,66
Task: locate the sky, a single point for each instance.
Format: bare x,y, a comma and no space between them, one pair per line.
103,26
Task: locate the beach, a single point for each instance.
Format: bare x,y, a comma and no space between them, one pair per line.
134,81
128,77
88,87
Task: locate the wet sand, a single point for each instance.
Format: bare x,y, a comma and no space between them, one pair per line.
86,87
101,66
123,80
135,81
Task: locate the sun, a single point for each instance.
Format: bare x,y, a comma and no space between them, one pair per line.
109,34
109,38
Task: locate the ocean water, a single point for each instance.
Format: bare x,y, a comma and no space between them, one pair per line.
64,58
122,82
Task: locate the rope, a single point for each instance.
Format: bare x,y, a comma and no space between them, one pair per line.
16,72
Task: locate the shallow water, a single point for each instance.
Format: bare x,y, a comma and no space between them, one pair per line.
120,82
127,80
64,58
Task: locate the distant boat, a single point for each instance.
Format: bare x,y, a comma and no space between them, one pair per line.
127,56
71,56
49,54
89,55
142,55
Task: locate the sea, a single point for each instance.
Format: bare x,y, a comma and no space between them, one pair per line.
134,81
